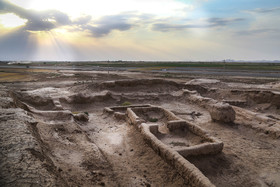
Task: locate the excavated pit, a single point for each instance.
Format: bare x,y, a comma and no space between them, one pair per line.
172,138
258,98
143,85
178,138
187,146
178,134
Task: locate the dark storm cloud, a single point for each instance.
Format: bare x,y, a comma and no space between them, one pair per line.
209,23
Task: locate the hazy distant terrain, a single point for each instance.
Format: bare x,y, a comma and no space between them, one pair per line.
244,69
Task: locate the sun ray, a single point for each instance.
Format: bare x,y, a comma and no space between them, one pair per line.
52,47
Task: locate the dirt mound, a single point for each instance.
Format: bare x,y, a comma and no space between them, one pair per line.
40,102
255,97
271,97
202,86
84,98
85,101
267,124
23,162
81,117
259,96
144,85
6,102
78,160
222,112
203,81
275,85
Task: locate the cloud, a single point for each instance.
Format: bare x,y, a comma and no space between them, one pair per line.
165,27
257,31
83,20
36,21
215,22
264,10
51,19
265,21
107,24
46,20
207,23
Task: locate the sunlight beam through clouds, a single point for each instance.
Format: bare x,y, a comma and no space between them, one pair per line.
52,46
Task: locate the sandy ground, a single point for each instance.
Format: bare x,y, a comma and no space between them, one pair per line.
42,145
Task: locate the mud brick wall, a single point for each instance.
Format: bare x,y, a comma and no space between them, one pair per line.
214,147
169,115
257,96
188,171
196,98
108,110
133,118
219,111
176,124
111,110
48,114
119,115
202,149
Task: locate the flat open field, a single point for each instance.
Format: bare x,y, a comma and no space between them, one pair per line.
54,130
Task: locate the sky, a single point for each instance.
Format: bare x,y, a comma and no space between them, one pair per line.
157,30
